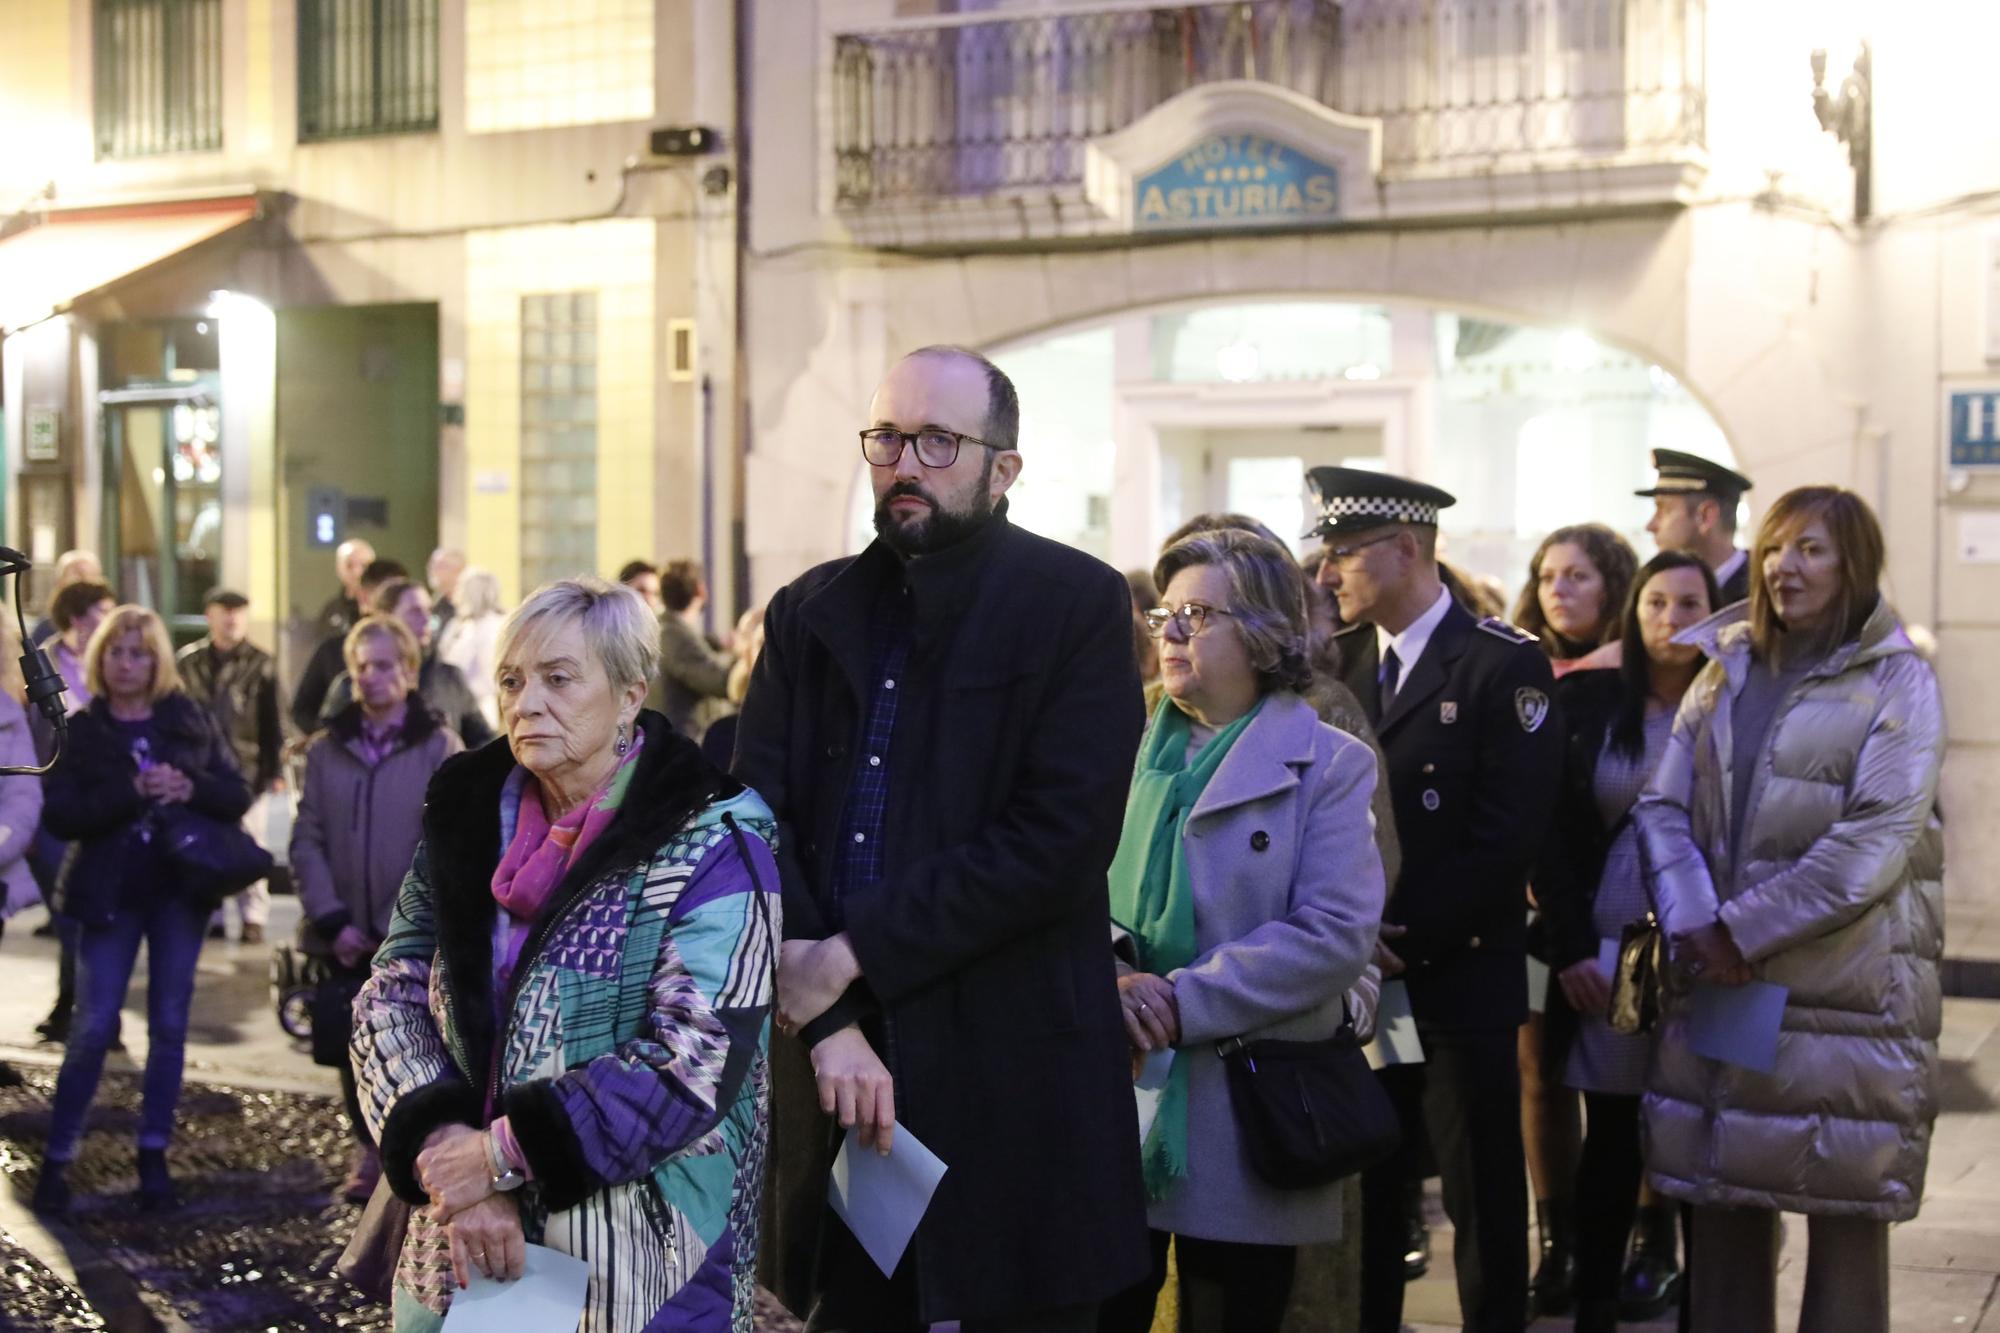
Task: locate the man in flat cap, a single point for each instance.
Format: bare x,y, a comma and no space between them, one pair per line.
1463,710
1694,510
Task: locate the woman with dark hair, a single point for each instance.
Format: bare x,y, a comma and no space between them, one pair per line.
1578,580
1577,584
1616,727
1791,836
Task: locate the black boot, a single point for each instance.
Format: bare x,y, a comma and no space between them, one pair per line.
1652,1280
1596,1315
52,1190
156,1186
1553,1288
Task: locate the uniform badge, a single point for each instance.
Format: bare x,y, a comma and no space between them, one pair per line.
1448,712
1531,706
1430,798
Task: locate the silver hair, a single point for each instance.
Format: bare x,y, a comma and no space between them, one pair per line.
615,622
1268,597
478,592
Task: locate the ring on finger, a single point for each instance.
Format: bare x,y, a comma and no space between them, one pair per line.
1145,1008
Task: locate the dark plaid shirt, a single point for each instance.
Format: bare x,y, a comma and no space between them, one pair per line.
859,864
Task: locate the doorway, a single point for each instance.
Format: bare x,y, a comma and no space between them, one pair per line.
162,520
1258,471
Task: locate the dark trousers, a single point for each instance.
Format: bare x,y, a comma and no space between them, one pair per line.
1468,1094
1225,1287
858,1299
1607,1192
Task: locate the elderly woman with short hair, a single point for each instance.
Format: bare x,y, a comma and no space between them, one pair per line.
1249,884
563,1040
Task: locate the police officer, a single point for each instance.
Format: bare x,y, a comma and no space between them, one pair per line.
1462,707
1694,510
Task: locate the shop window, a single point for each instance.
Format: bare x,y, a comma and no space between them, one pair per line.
530,64
367,67
157,71
558,436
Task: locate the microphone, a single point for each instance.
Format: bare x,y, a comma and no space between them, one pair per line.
45,683
13,562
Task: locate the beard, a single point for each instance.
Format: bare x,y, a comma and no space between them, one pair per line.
942,527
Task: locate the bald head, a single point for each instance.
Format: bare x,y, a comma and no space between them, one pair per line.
349,559
1002,413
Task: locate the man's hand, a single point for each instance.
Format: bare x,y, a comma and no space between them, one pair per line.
1385,957
455,1170
487,1237
1152,1018
353,946
1586,988
1711,955
855,1087
812,974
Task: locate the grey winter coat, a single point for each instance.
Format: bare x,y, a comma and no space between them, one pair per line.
1837,895
1288,894
358,824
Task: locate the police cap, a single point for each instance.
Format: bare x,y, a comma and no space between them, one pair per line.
1689,474
1353,499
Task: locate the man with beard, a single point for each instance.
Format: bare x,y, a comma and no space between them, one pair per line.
946,725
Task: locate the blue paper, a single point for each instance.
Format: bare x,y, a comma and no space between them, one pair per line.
1396,1041
547,1298
883,1198
1738,1024
1151,1084
1607,960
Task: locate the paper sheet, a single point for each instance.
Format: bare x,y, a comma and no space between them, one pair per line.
1607,959
883,1198
547,1298
1538,985
1395,1029
1738,1024
1148,1087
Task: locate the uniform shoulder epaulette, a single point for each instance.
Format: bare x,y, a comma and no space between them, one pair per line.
1501,629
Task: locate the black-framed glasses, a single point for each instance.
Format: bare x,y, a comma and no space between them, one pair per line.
1192,616
936,446
1345,554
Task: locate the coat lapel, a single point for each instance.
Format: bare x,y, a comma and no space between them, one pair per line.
1432,668
1265,758
838,614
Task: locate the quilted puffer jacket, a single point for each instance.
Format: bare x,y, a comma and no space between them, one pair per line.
1837,895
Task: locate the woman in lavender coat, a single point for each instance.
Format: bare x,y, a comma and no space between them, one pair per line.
1248,890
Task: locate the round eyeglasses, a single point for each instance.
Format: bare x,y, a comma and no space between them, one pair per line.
936,447
1191,616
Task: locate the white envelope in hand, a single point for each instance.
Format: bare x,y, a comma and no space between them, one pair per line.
882,1199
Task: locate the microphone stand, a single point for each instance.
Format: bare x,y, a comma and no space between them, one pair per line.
45,683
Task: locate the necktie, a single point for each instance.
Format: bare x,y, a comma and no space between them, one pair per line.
1386,691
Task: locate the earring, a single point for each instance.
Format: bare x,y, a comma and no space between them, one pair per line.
621,745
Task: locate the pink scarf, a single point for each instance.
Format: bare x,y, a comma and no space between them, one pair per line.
541,851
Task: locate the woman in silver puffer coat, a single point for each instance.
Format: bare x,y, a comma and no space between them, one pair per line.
1791,834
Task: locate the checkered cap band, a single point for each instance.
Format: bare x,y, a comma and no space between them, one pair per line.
1394,509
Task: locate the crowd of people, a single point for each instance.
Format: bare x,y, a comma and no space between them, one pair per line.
1098,887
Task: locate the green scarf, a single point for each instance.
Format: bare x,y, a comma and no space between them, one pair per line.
1151,898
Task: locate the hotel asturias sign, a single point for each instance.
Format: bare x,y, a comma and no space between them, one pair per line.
1225,156
1237,180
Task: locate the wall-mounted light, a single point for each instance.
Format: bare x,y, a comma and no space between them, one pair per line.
1850,118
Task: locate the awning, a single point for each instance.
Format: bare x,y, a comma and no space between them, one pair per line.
73,253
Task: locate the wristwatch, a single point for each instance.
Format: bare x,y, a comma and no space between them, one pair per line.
505,1175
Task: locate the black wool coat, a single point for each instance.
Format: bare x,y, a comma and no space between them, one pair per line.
1475,752
985,949
88,799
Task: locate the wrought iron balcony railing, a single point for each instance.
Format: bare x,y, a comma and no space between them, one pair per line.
965,105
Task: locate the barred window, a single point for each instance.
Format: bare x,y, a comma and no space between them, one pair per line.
558,436
157,76
367,67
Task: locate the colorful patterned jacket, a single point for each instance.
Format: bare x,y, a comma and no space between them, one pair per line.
634,1042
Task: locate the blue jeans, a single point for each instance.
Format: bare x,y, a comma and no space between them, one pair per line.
173,929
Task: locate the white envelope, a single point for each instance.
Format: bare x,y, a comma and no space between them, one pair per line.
548,1297
1150,1086
1396,1040
882,1199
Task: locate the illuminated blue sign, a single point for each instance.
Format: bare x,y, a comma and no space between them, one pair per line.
1975,429
1236,180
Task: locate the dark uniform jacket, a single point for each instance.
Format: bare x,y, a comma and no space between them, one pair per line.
1475,755
985,946
240,690
1736,587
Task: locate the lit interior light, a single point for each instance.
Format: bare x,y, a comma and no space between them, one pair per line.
1367,370
1238,362
1576,350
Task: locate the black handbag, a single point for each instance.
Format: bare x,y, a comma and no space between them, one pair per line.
333,1016
212,860
1635,985
369,1261
1310,1112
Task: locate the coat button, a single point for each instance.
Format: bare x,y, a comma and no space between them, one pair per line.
835,750
1259,840
1430,768
1473,943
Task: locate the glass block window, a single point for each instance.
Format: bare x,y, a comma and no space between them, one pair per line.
558,436
156,67
530,64
367,67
